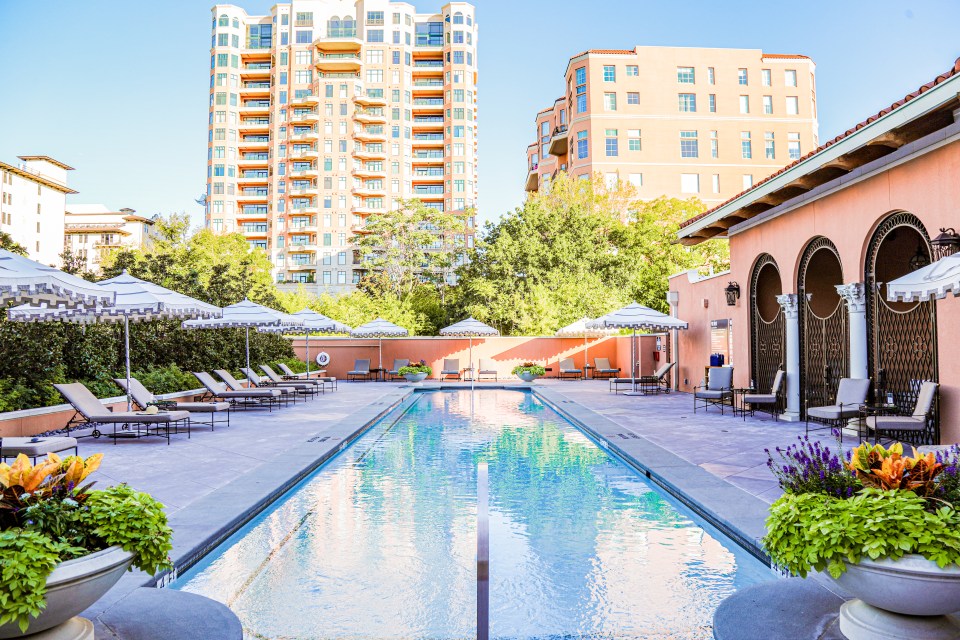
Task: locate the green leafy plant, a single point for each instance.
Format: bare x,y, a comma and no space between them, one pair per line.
132,520
813,531
26,559
529,367
415,367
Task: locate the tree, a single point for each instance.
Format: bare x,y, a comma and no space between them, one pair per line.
9,244
579,249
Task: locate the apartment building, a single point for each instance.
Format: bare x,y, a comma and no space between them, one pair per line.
327,111
677,121
32,201
93,230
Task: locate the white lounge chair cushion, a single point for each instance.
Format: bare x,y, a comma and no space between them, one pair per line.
15,446
833,412
711,394
203,407
896,423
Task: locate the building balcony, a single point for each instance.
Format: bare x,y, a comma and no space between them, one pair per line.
304,116
366,117
303,211
300,266
428,123
371,136
254,125
253,144
308,136
255,89
255,71
533,180
344,40
367,154
431,141
338,62
305,101
303,154
360,230
369,191
428,104
559,142
251,231
375,101
303,193
304,173
363,172
254,162
366,210
302,247
302,229
257,196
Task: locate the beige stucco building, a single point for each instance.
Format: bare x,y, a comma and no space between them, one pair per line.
33,196
677,121
92,230
326,111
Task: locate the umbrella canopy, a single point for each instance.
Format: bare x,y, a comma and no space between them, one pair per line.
312,322
379,329
135,300
470,328
936,279
25,281
579,329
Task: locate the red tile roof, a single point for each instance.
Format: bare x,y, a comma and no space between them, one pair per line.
896,105
790,56
602,51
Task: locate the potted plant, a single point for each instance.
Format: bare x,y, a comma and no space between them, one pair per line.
63,544
416,371
529,371
883,525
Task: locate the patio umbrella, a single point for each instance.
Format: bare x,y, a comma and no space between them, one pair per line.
245,314
636,316
579,329
470,328
936,279
135,300
313,322
379,329
25,281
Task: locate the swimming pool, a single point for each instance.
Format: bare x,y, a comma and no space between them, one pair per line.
380,542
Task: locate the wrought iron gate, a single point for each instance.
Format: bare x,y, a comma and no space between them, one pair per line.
902,342
767,338
824,341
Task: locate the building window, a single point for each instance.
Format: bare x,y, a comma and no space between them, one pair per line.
304,36
714,145
375,18
582,145
790,77
609,102
690,183
636,179
581,84
611,145
746,147
633,70
793,146
747,181
765,77
375,35
768,105
688,102
685,75
609,73
715,179
633,139
742,76
769,151
633,97
744,104
793,106
712,102
711,76
689,146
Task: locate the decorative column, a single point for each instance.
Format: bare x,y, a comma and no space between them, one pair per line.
673,298
791,313
855,296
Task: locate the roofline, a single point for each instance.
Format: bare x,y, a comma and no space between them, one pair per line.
56,186
48,159
910,110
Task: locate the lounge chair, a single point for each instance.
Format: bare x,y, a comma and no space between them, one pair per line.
254,381
329,381
34,448
242,398
604,369
718,390
851,393
487,367
395,372
136,424
143,399
275,379
659,381
767,402
361,370
569,370
451,367
919,421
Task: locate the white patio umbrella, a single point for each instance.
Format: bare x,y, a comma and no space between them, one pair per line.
135,300
470,328
245,314
313,322
25,281
379,329
936,279
579,329
636,316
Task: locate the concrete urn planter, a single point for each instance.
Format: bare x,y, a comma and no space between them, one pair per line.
906,598
415,378
72,587
527,377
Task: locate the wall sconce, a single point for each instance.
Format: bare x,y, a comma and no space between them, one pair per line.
732,292
920,259
945,244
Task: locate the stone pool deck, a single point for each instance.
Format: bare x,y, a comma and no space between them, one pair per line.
213,482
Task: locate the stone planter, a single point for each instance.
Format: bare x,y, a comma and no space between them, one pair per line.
72,587
415,378
905,598
527,377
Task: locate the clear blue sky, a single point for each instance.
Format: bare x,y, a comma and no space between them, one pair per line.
119,89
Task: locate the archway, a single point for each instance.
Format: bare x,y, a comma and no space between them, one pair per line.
824,326
767,325
902,336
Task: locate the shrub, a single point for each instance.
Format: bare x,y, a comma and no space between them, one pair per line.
808,467
415,367
529,367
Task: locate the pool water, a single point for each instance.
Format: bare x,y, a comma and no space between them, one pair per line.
381,541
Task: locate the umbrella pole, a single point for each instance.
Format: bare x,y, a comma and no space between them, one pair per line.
585,352
633,366
248,350
126,344
308,355
380,342
473,372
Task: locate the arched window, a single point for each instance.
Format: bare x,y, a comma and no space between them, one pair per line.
224,20
458,18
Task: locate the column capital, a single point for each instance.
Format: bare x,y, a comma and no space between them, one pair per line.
788,302
854,294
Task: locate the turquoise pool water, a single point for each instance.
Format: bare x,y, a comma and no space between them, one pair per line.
381,541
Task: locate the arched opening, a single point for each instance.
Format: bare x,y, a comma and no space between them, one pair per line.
902,336
824,325
767,325
458,18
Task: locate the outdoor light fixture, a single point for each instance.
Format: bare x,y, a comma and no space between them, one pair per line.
919,259
945,244
732,291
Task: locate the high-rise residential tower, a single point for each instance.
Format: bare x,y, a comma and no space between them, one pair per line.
677,121
326,111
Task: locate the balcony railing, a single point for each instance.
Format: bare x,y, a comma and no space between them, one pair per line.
428,154
261,66
435,172
429,102
255,156
255,85
428,83
428,136
342,32
430,64
338,56
256,104
428,120
254,174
